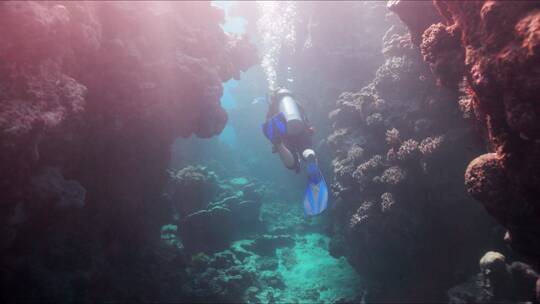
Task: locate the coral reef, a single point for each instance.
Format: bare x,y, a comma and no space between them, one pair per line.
488,51
276,257
408,13
497,281
225,210
400,146
297,269
92,94
211,211
191,188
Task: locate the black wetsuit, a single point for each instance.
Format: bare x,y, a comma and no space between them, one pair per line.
295,143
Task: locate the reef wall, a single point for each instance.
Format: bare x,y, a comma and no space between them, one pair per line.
92,95
402,216
489,52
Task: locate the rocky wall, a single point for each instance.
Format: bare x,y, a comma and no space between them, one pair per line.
489,51
92,95
402,216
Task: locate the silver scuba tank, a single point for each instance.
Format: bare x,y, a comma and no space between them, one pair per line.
289,108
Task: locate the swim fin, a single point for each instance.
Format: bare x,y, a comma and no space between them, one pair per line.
316,195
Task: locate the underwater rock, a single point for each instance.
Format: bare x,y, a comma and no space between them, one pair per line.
207,230
268,264
100,90
246,213
217,224
350,52
192,188
441,50
218,278
538,289
413,140
492,261
50,185
266,245
486,180
491,49
417,23
301,271
497,282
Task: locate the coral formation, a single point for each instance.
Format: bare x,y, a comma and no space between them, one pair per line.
282,258
497,281
225,210
488,51
191,188
400,147
92,94
298,270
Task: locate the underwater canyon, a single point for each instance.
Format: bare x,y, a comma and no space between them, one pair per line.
133,167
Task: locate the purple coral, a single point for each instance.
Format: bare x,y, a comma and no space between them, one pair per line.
430,145
367,168
391,155
392,136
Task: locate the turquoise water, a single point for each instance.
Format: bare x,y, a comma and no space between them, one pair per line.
233,25
228,102
300,271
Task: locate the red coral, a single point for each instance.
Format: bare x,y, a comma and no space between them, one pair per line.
441,49
100,90
408,13
126,76
485,180
495,46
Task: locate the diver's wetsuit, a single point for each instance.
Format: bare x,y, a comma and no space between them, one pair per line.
295,143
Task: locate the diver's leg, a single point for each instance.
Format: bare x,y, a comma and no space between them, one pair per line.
287,157
306,147
309,155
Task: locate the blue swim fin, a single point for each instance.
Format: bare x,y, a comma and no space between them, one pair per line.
316,196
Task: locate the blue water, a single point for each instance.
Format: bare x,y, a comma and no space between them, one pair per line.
233,25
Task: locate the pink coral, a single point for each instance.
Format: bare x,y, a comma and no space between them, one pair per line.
361,214
408,150
392,136
368,167
430,145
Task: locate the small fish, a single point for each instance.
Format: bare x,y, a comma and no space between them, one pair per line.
258,99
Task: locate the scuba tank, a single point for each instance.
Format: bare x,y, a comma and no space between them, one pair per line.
291,112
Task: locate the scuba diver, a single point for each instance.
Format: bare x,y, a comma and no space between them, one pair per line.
288,129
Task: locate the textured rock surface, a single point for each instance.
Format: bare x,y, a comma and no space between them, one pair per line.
497,281
493,47
408,13
401,146
91,96
232,212
192,188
